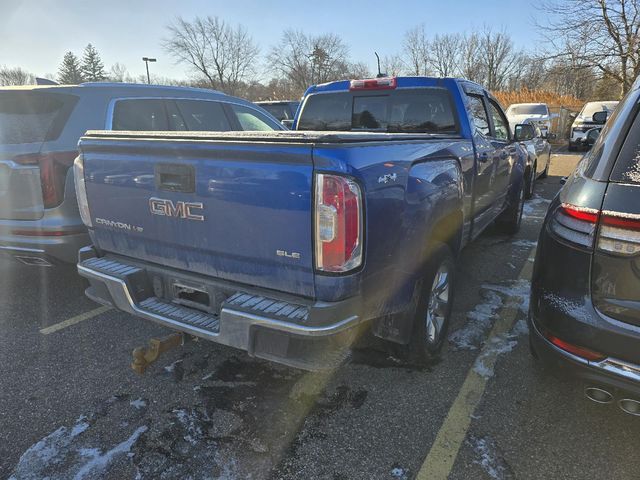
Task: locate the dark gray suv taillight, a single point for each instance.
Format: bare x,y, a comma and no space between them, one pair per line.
619,234
576,225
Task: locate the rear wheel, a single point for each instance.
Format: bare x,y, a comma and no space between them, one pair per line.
433,311
545,172
531,181
509,220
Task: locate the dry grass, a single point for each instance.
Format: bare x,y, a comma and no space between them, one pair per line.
539,96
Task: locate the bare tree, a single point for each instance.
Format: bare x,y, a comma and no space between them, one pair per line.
416,51
306,60
603,34
15,76
499,60
392,65
224,55
471,66
119,73
444,58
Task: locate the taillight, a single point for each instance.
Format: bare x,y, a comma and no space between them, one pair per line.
385,83
574,224
338,218
81,191
619,234
575,349
53,173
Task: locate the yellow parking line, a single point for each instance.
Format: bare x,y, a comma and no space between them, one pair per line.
73,320
453,431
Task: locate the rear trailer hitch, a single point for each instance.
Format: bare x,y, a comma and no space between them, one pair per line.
143,357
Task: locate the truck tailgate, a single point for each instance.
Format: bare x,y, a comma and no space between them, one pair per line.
230,210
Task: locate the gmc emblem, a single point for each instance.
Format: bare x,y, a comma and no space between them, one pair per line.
166,208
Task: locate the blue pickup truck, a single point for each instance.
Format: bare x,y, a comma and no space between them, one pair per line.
289,244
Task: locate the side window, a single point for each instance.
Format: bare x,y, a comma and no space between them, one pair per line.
627,167
500,123
478,114
200,115
140,115
251,119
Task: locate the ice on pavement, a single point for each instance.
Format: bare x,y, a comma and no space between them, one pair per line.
63,455
489,459
139,403
479,320
98,462
523,243
514,294
496,346
536,207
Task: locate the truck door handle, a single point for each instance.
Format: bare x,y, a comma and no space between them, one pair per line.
173,177
483,157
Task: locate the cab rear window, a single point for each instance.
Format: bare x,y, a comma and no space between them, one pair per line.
33,117
426,110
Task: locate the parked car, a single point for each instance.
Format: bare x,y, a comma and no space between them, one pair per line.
39,132
538,154
284,244
585,300
285,111
584,121
537,113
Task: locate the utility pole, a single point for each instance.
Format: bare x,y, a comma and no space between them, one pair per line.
146,60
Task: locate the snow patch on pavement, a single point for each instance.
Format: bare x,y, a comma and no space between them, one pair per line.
496,346
61,455
516,293
523,243
489,459
536,207
138,403
98,462
479,320
399,472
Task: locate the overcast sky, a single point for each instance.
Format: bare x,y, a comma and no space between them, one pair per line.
35,34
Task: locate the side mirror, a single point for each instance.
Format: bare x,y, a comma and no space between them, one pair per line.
600,117
524,132
591,136
287,123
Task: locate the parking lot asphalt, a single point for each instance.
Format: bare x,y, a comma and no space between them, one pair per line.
71,407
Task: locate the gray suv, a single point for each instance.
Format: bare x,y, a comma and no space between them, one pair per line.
39,130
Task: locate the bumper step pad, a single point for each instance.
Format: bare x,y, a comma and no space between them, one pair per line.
180,314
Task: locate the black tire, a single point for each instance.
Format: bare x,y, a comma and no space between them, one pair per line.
434,305
545,172
509,221
530,182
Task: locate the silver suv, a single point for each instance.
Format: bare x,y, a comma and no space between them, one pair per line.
39,130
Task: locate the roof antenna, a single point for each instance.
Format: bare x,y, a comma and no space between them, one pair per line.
380,74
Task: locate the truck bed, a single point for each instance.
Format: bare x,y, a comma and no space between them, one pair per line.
324,137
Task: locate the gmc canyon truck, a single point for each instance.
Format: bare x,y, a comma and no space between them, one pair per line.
287,244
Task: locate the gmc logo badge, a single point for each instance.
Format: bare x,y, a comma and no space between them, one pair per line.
166,208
